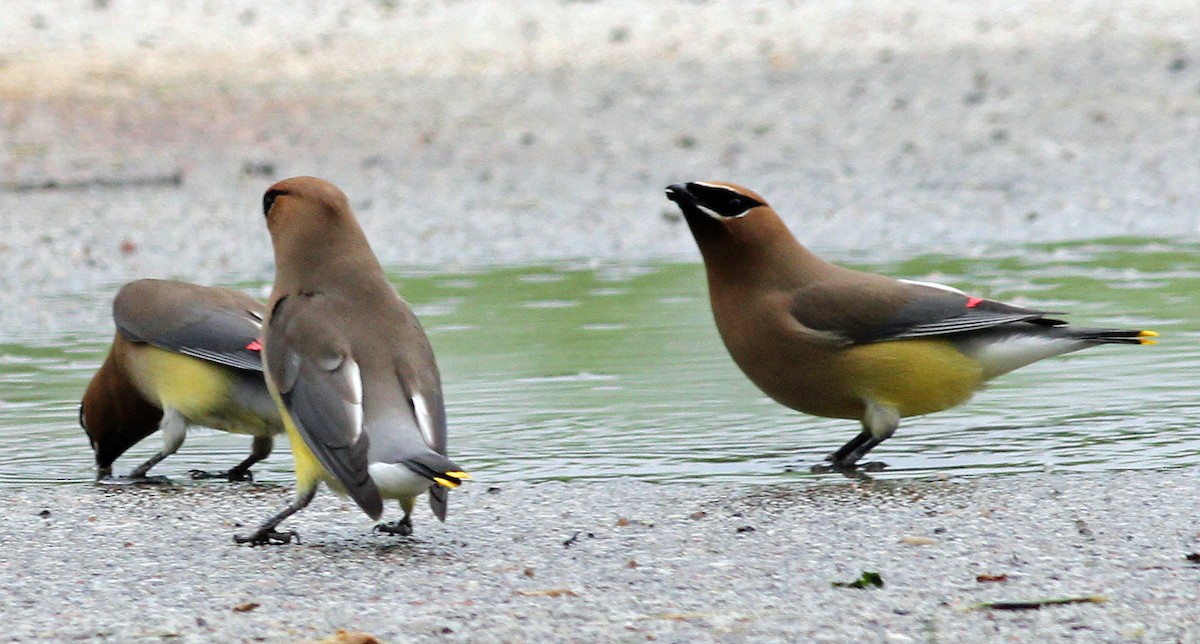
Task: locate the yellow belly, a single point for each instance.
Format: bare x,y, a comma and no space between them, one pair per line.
913,376
309,471
200,390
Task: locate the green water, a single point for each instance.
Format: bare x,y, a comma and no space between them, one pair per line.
573,371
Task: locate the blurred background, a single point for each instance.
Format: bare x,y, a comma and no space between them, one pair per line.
507,161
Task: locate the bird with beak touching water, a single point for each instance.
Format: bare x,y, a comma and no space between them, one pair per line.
840,343
183,355
349,366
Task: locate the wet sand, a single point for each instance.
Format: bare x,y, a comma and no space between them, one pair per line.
616,561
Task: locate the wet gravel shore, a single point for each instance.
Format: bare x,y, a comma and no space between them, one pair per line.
616,561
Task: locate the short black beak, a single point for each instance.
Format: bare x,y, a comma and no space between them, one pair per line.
269,200
679,193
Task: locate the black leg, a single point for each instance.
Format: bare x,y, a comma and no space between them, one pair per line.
847,455
239,472
879,423
140,471
174,429
138,475
853,457
260,449
266,534
104,476
851,446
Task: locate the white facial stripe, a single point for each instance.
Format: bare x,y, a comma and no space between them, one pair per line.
709,212
941,287
714,215
424,419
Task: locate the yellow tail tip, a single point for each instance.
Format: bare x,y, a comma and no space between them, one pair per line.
1148,334
452,479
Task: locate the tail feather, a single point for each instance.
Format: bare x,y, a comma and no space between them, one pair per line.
1113,336
439,496
356,480
1005,349
437,468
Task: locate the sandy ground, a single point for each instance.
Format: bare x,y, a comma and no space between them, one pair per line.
136,141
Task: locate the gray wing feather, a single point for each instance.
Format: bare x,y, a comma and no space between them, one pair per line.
218,325
881,312
962,324
321,390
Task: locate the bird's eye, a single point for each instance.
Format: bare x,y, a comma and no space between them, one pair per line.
723,201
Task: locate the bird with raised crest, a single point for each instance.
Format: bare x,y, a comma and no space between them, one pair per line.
349,366
840,343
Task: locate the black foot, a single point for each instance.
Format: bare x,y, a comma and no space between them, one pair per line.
134,480
841,468
856,472
268,537
233,475
403,527
827,467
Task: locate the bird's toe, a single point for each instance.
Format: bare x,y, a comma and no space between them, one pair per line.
268,538
233,475
403,527
134,480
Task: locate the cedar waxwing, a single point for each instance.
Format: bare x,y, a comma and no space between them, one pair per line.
348,365
183,355
835,342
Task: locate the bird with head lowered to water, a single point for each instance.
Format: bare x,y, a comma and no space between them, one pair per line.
183,355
